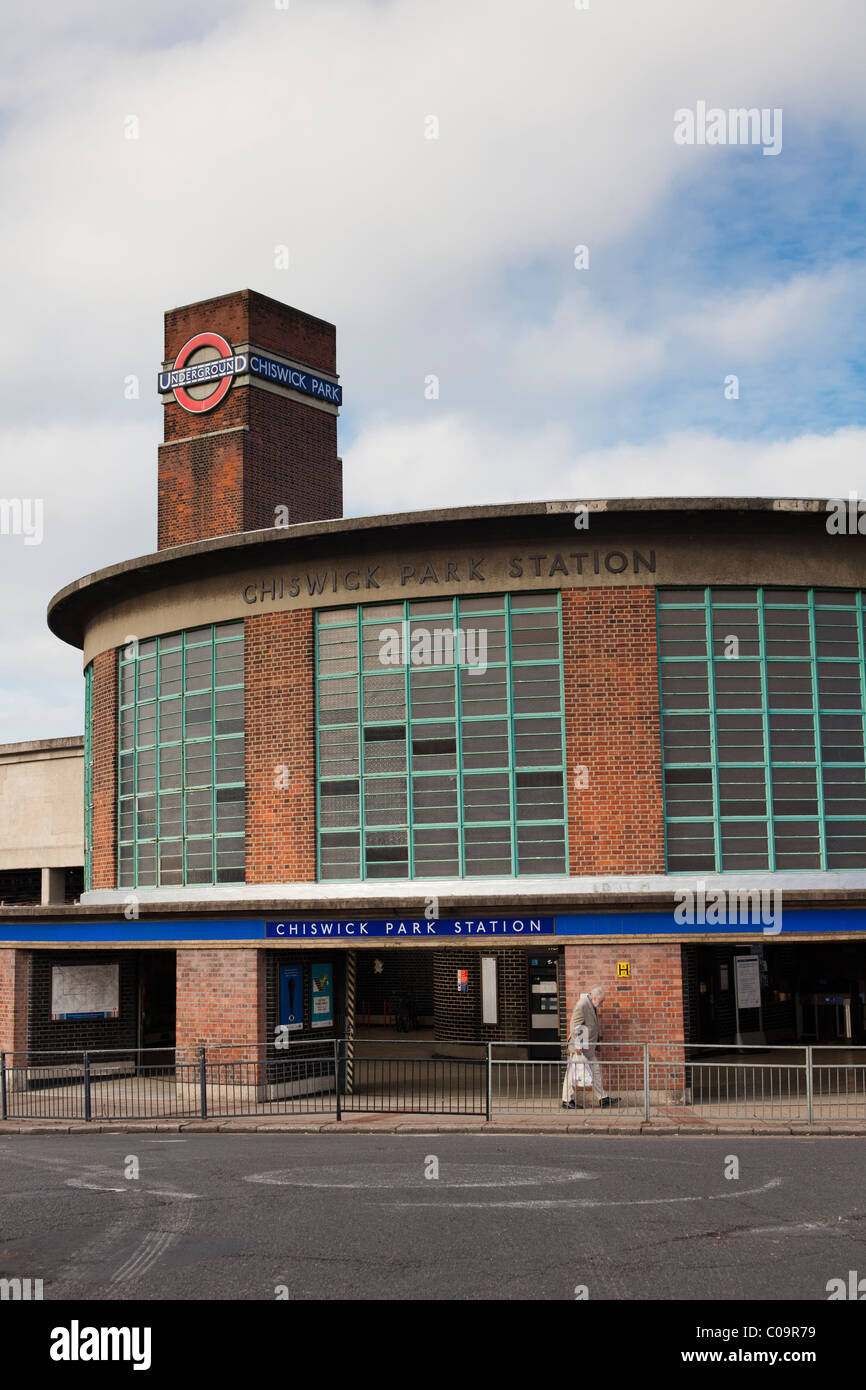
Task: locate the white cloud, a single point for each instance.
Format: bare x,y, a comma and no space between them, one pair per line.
798,312
448,462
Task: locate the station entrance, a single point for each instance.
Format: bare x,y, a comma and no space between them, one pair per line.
442,994
777,992
395,993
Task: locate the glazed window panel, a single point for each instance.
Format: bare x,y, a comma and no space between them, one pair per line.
440,738
763,697
181,804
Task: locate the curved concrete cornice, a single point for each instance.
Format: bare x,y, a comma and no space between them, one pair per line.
679,520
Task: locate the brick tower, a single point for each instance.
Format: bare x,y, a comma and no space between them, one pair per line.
251,398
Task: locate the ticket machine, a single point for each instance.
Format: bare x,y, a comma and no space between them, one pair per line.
543,1006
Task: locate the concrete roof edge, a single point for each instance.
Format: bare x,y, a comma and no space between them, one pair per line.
545,904
42,745
239,541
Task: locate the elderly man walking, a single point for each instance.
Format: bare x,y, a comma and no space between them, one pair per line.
583,1036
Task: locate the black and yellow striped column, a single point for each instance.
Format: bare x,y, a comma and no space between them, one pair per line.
350,1022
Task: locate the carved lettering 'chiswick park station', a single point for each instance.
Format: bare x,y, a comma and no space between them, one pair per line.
448,571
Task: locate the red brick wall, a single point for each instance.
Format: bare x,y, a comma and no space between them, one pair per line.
280,724
221,998
227,469
247,316
290,460
647,1007
14,981
201,485
105,770
616,822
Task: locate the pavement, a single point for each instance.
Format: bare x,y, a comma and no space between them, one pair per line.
405,1123
181,1215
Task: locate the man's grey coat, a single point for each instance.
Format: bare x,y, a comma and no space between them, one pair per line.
584,1015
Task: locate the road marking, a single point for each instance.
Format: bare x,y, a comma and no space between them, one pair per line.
794,1226
538,1204
394,1175
92,1186
160,1192
146,1254
133,1186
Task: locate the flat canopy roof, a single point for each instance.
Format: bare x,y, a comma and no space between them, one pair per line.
70,609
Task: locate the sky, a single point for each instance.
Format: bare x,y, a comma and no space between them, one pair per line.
431,170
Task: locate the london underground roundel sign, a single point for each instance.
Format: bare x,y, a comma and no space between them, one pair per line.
220,370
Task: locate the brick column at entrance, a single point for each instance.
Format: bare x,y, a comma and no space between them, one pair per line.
14,1001
221,1002
610,671
646,1007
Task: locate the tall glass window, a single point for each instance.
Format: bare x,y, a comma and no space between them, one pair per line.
763,694
181,774
440,738
88,778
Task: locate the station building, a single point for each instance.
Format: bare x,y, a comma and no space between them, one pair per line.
457,765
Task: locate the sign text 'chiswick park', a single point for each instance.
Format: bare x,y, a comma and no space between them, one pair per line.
220,372
442,926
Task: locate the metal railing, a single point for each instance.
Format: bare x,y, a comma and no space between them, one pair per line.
332,1077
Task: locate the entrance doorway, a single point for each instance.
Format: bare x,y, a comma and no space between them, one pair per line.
157,1004
808,992
395,993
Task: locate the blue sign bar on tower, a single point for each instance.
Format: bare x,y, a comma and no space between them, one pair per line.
298,380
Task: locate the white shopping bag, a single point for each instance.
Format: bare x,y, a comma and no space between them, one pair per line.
582,1073
577,1077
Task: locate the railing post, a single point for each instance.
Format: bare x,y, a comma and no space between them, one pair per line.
202,1081
646,1082
810,1094
489,1107
2,1085
337,1077
87,1112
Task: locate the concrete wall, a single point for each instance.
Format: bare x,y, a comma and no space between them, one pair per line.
42,804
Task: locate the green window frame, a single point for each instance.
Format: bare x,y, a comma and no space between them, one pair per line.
439,770
88,778
181,774
763,739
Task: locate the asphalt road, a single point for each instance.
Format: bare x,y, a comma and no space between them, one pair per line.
355,1216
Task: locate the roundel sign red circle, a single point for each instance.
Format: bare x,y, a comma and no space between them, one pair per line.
221,370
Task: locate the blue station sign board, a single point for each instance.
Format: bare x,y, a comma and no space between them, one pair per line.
66,930
401,928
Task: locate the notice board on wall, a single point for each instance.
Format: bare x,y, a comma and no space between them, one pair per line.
85,991
748,980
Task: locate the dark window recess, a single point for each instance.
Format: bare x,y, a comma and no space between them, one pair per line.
20,886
